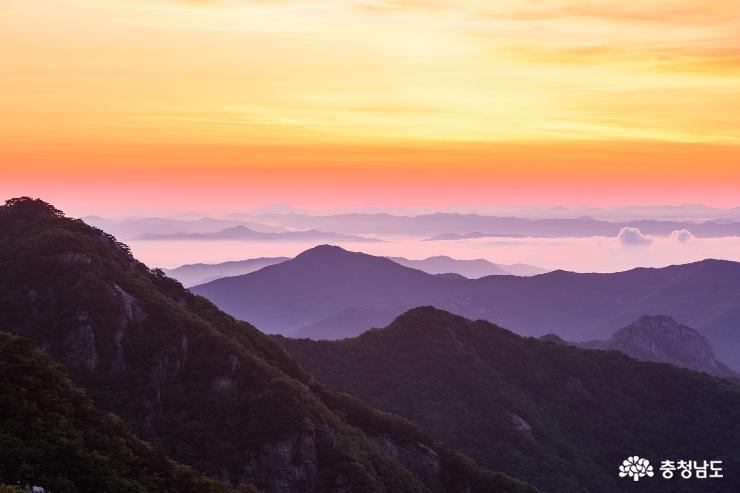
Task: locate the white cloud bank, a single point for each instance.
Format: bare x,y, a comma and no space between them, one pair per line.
632,237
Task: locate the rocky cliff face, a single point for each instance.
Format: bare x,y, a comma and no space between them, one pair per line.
663,340
53,436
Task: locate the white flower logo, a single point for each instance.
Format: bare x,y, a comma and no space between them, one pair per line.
636,468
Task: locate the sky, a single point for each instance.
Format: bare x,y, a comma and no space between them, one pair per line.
226,104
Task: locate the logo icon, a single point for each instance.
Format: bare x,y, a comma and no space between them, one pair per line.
635,467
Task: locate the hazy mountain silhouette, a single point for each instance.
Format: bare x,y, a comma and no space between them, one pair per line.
346,323
212,392
192,274
561,417
471,236
472,269
704,295
129,228
525,270
663,340
244,233
444,223
437,226
324,281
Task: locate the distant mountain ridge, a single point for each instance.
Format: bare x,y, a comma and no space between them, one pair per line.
326,281
471,236
435,226
129,228
193,274
244,233
441,223
322,282
471,269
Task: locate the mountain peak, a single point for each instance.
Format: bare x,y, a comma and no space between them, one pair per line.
27,207
427,318
427,311
661,338
322,251
239,228
320,255
552,338
657,321
660,324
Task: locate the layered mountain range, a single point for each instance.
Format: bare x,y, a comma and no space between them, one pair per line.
326,282
430,225
194,385
244,233
328,292
473,269
706,223
193,274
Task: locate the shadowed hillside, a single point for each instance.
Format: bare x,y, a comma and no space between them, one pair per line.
561,417
307,295
52,436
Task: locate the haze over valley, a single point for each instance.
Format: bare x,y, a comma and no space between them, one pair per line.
576,243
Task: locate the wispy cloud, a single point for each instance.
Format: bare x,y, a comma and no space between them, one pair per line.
375,70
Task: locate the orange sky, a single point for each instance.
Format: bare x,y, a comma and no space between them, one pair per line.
235,103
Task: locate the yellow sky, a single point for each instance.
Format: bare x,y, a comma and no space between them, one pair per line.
370,102
274,71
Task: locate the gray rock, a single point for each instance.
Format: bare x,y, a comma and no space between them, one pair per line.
79,344
521,425
75,258
662,339
421,460
290,465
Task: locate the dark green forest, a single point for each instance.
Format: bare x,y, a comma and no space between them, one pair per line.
53,436
559,417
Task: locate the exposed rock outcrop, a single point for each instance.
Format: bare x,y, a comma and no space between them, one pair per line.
290,465
521,425
664,340
418,458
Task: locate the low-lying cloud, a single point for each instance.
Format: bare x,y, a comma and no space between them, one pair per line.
682,235
633,237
